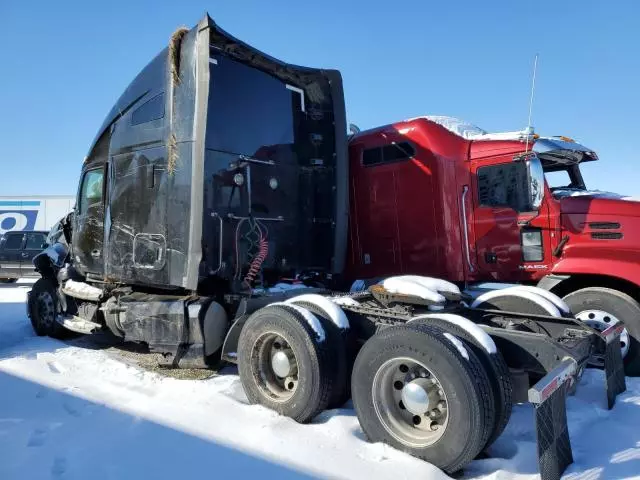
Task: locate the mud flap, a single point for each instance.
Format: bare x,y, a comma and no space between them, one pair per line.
613,363
548,397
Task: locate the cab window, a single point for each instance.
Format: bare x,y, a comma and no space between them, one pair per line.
91,192
504,185
253,111
13,241
35,241
394,152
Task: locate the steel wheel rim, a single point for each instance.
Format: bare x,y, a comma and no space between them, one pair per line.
402,380
46,309
266,362
600,320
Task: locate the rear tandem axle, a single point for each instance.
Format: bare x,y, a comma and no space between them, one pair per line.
436,379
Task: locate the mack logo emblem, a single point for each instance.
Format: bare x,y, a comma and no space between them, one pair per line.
532,267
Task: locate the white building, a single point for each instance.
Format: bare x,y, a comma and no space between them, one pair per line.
33,212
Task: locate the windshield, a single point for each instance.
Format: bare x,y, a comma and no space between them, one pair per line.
562,179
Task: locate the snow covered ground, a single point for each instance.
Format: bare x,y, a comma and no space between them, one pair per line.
91,413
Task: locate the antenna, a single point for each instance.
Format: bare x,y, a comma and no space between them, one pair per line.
533,89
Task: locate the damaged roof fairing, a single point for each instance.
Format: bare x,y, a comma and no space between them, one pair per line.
295,74
152,79
149,81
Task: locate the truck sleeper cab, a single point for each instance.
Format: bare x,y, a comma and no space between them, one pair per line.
211,223
436,196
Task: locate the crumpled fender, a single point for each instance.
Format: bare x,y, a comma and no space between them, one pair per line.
55,254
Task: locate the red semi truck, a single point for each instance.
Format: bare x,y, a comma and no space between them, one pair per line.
437,196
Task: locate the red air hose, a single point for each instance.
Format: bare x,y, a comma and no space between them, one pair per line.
257,261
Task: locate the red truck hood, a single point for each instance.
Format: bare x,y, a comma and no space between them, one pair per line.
596,202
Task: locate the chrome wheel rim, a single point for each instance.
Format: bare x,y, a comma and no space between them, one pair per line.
600,320
410,402
274,367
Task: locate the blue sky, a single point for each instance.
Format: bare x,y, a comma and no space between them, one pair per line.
65,63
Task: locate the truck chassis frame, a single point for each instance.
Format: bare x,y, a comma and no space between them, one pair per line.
546,355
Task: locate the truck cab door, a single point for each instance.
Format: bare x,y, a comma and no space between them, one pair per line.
374,212
508,234
88,235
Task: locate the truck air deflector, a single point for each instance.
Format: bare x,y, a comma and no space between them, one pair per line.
201,87
560,151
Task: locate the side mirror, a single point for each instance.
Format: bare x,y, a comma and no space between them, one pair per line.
353,131
535,179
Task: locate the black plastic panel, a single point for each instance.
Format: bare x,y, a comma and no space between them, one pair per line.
270,154
554,445
614,371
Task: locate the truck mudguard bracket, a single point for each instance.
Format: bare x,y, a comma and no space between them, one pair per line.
249,305
230,345
613,363
548,397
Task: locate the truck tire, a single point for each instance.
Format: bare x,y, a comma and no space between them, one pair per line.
339,363
598,306
496,368
43,308
401,374
283,364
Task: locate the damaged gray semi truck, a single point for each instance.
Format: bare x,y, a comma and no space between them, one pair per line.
212,224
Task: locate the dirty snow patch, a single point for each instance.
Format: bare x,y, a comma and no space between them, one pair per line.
549,307
482,337
411,286
458,344
310,318
570,192
280,288
335,313
346,301
552,297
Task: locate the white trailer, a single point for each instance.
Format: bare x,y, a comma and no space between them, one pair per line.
33,212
